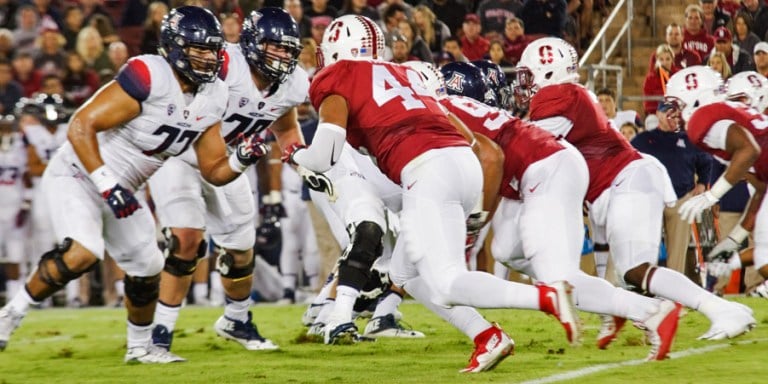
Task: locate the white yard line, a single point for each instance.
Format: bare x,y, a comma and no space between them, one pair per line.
577,373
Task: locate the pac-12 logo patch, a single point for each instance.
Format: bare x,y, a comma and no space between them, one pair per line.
171,109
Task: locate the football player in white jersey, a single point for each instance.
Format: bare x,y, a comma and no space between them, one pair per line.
265,86
14,202
42,119
158,106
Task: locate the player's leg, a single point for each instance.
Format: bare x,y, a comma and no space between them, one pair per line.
179,206
290,253
760,251
635,245
310,253
12,254
230,214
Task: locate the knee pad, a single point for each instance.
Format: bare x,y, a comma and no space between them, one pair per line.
364,248
142,291
54,271
225,264
601,247
175,265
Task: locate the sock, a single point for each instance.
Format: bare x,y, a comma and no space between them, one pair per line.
217,289
120,288
313,281
166,315
388,304
483,290
323,294
345,301
72,291
465,319
289,281
601,263
138,335
200,292
237,309
677,287
21,301
326,311
12,287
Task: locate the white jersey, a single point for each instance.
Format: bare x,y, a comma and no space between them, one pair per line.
170,121
45,142
13,164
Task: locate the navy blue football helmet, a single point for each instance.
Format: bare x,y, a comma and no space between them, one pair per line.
275,26
192,27
465,79
497,81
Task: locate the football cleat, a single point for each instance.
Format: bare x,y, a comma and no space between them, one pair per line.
555,299
491,347
309,316
243,332
735,321
333,333
760,291
316,329
151,355
609,330
660,329
9,321
162,337
386,326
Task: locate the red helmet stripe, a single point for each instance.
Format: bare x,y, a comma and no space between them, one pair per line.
374,36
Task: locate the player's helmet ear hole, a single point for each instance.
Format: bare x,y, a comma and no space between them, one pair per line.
548,75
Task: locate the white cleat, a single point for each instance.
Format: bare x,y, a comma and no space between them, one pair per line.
556,299
386,326
491,347
609,330
316,329
661,328
729,325
9,321
760,291
151,355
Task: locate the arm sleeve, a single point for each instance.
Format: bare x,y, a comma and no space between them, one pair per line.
557,125
325,150
134,78
715,137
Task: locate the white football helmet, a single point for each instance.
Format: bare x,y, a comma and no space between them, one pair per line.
351,37
433,79
692,88
750,85
545,61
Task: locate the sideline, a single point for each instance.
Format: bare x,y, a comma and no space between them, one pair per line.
578,373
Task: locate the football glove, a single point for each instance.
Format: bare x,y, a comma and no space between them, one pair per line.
121,201
249,150
318,182
290,151
691,209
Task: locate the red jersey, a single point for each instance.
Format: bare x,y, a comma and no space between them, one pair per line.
604,149
523,143
704,118
388,119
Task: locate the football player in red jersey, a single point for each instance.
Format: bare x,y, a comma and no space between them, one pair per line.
734,132
623,183
372,105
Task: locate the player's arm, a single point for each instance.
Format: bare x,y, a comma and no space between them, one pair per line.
110,107
744,152
215,166
35,166
329,139
750,214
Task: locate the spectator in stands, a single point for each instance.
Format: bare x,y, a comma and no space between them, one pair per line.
92,8
225,6
359,7
52,84
544,17
384,6
496,54
743,35
295,9
444,58
719,63
400,48
10,90
729,7
8,10
760,57
320,8
73,22
25,74
433,31
452,45
712,17
45,9
419,48
91,49
79,81
308,56
655,83
394,14
106,28
27,28
629,131
494,15
118,55
473,45
695,37
759,13
607,99
450,12
689,169
738,60
49,53
318,28
230,26
155,13
515,40
6,43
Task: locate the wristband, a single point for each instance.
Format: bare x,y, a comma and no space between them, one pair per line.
274,197
738,234
235,164
720,188
103,178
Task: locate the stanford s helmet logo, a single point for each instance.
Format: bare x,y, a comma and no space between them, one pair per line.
546,55
691,81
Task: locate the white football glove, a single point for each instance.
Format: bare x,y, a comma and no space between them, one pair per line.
723,250
719,269
692,208
318,182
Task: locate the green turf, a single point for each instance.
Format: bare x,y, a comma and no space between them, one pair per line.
87,346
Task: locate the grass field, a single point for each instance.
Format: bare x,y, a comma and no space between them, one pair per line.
87,346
